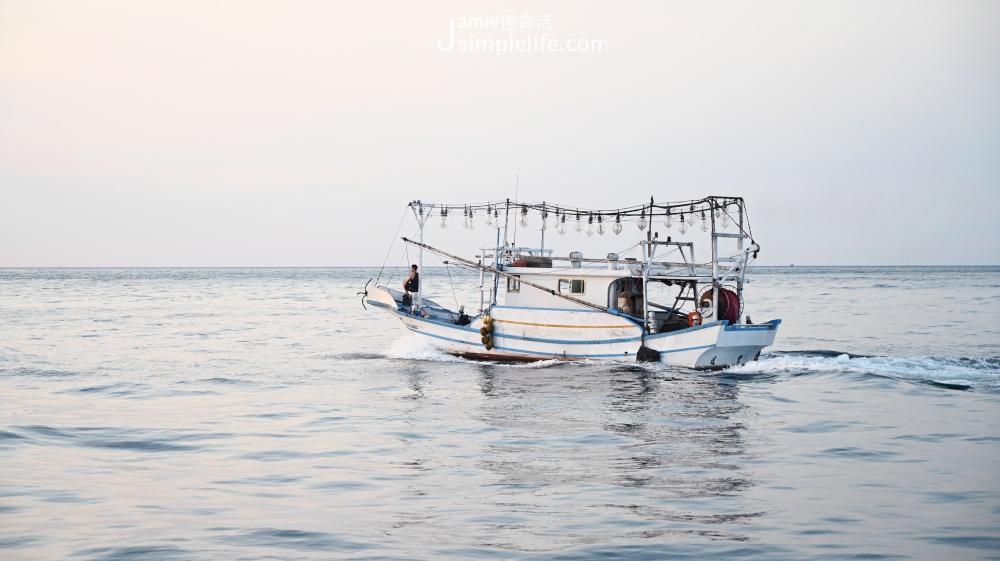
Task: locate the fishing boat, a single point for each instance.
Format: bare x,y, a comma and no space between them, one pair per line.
654,302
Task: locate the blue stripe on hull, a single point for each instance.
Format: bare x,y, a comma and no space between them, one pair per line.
564,341
685,349
524,351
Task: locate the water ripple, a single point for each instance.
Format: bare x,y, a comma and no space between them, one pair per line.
291,539
263,414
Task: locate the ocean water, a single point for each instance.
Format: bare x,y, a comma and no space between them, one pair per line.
264,414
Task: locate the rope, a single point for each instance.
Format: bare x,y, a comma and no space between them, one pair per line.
394,238
458,269
631,213
453,295
406,254
747,214
392,275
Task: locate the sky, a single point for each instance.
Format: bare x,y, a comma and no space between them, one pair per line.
242,133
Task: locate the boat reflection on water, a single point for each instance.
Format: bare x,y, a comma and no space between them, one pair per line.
616,449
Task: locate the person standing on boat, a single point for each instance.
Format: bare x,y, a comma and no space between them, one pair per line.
412,283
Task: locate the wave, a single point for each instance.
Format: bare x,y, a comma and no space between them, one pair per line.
111,438
41,373
416,347
951,372
119,389
354,356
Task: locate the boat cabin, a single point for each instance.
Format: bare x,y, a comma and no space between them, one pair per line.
618,287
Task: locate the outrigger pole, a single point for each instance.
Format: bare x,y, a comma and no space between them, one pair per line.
503,274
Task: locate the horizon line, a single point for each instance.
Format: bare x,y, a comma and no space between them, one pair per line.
4,267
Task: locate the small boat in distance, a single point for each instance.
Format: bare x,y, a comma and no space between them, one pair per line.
660,305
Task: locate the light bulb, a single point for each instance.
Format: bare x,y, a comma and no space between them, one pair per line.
472,221
489,216
683,227
642,222
524,216
465,218
562,225
704,222
579,225
724,220
545,219
618,225
496,218
668,220
555,218
718,211
444,217
691,217
590,226
600,225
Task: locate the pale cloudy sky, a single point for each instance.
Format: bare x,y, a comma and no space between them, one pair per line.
293,133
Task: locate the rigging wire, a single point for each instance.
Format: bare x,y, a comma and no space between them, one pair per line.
458,273
642,212
631,212
394,238
392,275
406,254
747,232
453,294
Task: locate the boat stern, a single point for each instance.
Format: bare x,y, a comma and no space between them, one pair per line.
738,344
714,345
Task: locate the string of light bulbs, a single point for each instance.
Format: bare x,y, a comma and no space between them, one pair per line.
683,214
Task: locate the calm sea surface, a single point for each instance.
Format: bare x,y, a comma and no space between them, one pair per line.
263,414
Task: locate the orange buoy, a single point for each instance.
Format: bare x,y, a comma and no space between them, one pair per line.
694,318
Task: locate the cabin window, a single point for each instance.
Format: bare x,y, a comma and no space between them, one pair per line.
513,284
572,286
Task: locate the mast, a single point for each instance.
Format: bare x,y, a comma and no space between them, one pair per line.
418,212
645,270
496,252
498,264
716,285
739,280
482,279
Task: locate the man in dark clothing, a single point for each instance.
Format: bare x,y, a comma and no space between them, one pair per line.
412,283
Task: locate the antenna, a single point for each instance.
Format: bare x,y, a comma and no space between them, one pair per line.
542,247
517,182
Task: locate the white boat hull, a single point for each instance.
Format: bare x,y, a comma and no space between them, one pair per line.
562,334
